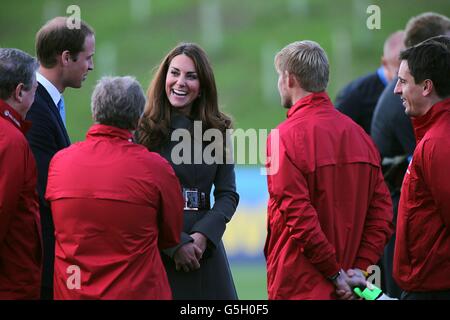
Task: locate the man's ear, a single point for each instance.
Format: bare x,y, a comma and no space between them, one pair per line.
65,57
387,70
292,80
18,95
427,87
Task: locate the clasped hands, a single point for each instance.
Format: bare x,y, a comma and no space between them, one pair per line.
187,257
346,281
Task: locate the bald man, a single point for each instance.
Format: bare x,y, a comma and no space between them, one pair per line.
393,45
359,98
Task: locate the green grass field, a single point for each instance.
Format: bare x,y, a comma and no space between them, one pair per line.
250,281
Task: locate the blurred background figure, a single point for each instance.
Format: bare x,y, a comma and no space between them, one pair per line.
181,96
114,205
65,57
359,98
20,240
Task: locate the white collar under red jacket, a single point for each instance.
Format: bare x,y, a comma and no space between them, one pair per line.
7,112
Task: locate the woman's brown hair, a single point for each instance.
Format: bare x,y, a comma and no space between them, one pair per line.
153,130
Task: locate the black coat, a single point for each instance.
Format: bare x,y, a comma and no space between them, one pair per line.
392,129
213,280
46,137
359,98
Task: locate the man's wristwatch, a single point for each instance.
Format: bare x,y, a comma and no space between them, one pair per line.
335,276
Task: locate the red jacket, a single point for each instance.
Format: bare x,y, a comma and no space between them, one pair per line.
114,205
329,207
422,247
20,241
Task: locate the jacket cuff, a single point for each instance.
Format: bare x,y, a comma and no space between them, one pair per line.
366,257
212,226
328,268
362,264
324,261
185,238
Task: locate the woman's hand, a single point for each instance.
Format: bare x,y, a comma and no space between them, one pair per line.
200,241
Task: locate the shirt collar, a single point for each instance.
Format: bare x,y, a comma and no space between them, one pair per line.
8,112
382,76
105,130
423,123
51,89
311,100
179,120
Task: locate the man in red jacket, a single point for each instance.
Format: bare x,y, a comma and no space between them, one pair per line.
114,205
422,249
329,208
20,241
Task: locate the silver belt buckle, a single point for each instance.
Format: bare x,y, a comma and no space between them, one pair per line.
191,200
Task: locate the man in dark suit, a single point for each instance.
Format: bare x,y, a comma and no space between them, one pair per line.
359,98
65,55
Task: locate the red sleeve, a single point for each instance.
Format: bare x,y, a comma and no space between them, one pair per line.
436,171
12,174
171,208
378,227
292,194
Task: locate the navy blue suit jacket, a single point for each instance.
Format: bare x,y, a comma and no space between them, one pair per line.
46,137
359,98
392,129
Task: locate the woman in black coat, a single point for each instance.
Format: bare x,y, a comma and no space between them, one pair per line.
182,106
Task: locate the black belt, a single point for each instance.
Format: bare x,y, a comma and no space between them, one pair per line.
195,200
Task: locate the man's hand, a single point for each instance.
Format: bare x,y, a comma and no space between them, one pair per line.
347,281
343,290
187,257
356,278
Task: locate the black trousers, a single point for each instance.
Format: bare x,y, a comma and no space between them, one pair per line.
430,295
388,284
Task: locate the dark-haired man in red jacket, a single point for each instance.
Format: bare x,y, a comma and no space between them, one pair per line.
422,248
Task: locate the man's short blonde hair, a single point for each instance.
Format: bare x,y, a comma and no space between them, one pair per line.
308,62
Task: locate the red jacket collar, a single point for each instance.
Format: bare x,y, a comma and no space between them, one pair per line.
7,112
104,130
423,123
311,100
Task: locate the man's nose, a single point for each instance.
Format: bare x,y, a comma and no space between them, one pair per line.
397,89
